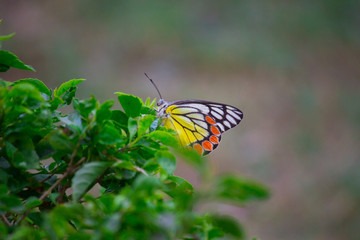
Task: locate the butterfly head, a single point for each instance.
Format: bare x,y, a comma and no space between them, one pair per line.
161,102
162,106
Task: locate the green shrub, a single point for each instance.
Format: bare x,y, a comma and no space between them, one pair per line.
50,160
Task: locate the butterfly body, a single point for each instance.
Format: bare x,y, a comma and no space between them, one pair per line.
199,123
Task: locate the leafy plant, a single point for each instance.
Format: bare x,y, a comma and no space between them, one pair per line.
49,161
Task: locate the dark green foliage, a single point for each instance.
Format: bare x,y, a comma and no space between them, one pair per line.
49,161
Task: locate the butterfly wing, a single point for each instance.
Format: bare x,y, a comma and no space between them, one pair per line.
201,123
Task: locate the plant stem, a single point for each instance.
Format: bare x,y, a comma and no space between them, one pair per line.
69,171
6,221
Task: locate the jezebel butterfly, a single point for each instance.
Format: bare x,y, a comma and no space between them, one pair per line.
198,123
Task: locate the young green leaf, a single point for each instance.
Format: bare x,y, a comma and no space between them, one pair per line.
8,59
131,104
36,83
86,106
67,86
24,92
84,178
6,37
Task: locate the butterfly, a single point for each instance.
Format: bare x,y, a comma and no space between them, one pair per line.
198,123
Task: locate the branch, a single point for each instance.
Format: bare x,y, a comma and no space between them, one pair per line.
6,221
69,171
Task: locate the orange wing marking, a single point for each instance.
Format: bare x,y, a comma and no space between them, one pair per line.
207,145
210,120
198,148
214,139
215,130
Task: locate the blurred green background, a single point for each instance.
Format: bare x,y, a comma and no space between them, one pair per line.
293,67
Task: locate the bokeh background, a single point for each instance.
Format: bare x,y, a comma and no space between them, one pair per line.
292,66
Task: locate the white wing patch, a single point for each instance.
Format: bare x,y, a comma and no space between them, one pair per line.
196,116
218,110
227,124
231,119
216,115
201,124
234,114
222,128
203,108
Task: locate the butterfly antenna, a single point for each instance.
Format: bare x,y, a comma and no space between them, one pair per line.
154,85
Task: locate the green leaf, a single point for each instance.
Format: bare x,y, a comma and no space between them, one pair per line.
32,202
131,104
147,102
167,161
215,233
24,92
86,106
67,86
132,126
44,149
6,37
152,104
147,183
124,164
240,190
165,138
60,141
56,102
4,68
120,117
4,83
73,120
10,203
23,154
108,134
181,191
69,95
145,123
36,83
228,225
8,59
147,111
182,185
84,178
104,112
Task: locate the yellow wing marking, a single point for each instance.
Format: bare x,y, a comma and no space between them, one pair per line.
184,121
180,110
198,136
